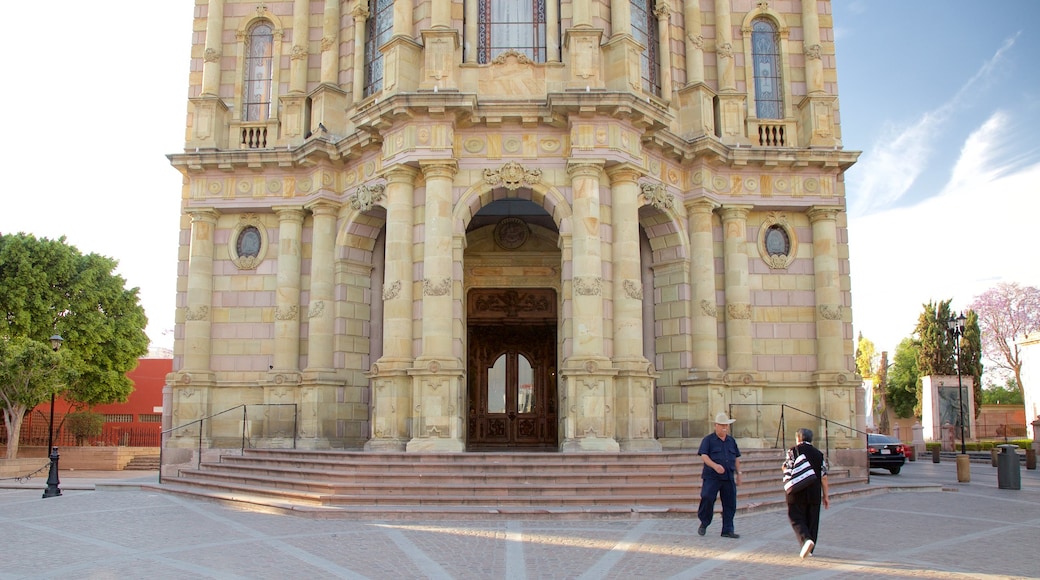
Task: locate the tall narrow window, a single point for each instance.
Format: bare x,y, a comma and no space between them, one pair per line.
378,30
644,30
256,93
510,25
765,52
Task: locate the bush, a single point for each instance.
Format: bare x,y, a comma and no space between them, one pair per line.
84,425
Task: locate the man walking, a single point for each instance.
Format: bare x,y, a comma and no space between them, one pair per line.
721,476
803,507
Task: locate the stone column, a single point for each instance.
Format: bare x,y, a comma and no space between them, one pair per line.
724,47
663,12
829,309
298,54
440,14
469,32
360,14
198,315
321,313
552,30
738,291
581,13
287,293
438,411
694,43
404,20
634,398
813,59
587,422
391,385
214,48
330,43
620,18
704,310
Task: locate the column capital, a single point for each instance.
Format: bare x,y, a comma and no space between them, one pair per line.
399,173
623,172
323,207
735,212
701,205
293,213
823,212
585,167
442,168
203,214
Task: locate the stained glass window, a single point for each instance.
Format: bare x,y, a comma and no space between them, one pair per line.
256,92
378,30
765,54
644,30
504,25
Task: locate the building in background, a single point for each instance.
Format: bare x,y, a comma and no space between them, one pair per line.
440,226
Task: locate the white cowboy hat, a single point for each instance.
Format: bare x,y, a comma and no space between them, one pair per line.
723,419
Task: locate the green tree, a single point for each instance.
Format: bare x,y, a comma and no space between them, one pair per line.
30,371
971,356
935,349
866,358
903,389
1002,395
48,287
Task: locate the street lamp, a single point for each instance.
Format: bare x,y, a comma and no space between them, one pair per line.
52,477
955,328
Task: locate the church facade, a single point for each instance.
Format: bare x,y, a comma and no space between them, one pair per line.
556,225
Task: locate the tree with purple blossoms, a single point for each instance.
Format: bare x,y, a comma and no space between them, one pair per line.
1006,313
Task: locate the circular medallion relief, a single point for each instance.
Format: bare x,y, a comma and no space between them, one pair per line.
511,233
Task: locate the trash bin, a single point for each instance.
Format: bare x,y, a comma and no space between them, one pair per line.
935,455
1009,474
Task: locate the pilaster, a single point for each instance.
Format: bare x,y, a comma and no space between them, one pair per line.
440,54
583,50
737,290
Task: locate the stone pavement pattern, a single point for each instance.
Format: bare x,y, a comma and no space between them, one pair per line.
971,530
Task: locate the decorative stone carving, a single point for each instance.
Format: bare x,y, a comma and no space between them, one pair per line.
326,44
434,367
317,309
813,51
441,288
211,55
512,303
829,312
725,50
512,176
777,258
656,195
286,313
511,233
298,52
709,309
738,311
251,260
200,313
367,196
392,291
519,56
633,289
588,285
697,40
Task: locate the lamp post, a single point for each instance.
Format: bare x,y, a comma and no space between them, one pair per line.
52,477
955,326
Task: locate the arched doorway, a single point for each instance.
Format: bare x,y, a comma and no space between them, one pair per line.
511,378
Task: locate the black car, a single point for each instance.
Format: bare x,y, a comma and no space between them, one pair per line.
886,452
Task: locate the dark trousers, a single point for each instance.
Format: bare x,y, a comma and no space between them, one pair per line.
805,519
727,489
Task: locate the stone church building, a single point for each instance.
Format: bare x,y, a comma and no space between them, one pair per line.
555,225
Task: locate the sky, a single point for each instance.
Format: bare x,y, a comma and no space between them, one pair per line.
941,97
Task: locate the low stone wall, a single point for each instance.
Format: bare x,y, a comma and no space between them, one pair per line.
87,458
22,467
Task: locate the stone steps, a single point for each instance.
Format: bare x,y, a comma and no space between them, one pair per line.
143,463
581,484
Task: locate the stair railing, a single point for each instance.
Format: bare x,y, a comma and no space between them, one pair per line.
781,435
163,435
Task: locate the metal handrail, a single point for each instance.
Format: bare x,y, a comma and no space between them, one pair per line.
245,418
781,427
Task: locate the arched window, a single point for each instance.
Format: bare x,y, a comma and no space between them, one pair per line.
378,30
644,30
256,91
504,25
765,54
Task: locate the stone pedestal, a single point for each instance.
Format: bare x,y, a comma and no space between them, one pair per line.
963,468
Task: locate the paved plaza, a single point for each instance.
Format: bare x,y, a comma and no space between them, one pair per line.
106,526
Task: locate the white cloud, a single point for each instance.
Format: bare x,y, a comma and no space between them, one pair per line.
978,232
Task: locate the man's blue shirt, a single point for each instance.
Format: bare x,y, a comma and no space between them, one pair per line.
725,453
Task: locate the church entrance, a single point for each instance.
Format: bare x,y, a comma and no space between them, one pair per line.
512,370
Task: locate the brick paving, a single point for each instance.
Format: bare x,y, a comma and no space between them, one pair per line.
106,526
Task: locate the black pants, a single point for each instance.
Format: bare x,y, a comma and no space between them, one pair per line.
805,519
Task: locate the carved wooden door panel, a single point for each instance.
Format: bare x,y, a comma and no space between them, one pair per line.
512,387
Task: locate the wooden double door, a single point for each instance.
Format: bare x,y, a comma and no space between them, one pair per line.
512,386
